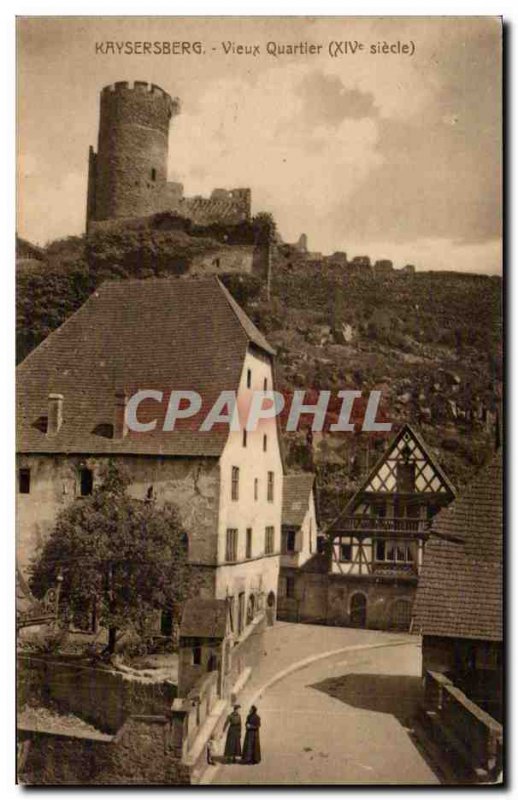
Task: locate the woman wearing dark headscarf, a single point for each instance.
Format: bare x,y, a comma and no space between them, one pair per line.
252,744
233,742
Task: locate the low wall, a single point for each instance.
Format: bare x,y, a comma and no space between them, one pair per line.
470,732
102,697
247,652
142,752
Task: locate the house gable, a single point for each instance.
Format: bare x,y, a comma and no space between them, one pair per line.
408,467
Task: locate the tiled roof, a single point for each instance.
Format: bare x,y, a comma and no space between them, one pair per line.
204,618
295,497
130,335
460,587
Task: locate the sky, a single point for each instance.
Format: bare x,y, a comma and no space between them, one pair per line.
389,155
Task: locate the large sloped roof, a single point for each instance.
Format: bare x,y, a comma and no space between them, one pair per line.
460,586
136,334
295,497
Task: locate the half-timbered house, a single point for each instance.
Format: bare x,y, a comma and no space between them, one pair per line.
378,541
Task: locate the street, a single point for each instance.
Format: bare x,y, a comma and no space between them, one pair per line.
341,719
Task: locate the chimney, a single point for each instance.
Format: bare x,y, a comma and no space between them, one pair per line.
120,427
55,413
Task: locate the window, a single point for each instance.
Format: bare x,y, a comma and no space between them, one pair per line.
290,587
311,534
269,492
268,539
265,443
231,545
256,488
248,378
405,477
346,551
245,437
86,479
291,538
166,622
394,552
196,655
249,542
24,480
235,483
265,384
153,174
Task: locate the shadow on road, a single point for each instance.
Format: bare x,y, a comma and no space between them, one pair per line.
398,695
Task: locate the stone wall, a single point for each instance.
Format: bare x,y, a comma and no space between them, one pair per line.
238,258
192,484
143,752
471,739
102,697
326,599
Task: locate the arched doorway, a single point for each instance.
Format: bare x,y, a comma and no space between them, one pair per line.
358,610
400,614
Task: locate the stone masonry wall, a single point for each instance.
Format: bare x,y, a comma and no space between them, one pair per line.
192,484
141,753
102,697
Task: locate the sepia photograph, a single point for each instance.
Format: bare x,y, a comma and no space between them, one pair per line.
259,401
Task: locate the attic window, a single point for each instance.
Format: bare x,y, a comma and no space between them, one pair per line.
153,174
41,424
86,478
104,429
248,378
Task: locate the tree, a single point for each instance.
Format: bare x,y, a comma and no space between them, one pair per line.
121,559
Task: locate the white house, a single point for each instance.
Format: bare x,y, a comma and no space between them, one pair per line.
73,392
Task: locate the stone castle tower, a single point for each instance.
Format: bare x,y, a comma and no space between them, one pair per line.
127,177
128,174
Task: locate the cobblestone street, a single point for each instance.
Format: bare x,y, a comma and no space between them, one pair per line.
340,719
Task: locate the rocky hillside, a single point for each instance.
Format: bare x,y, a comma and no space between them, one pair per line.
430,342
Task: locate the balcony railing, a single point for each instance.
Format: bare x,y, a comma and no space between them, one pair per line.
398,568
393,526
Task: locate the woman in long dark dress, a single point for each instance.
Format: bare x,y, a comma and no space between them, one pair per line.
233,741
252,744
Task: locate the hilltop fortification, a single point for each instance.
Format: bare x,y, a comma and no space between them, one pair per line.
127,176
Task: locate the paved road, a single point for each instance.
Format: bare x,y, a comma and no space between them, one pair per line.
340,720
